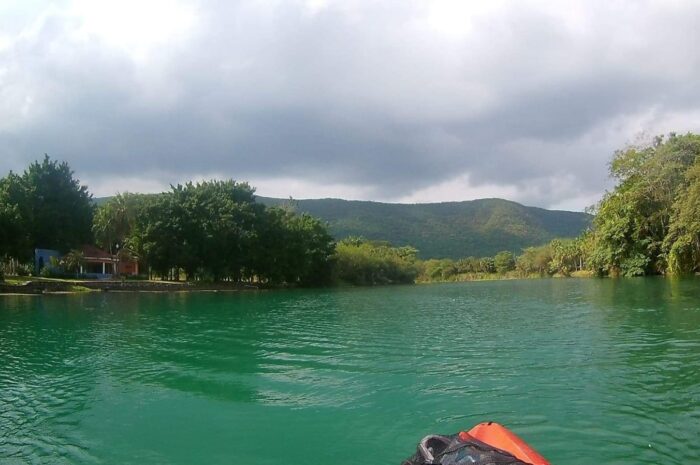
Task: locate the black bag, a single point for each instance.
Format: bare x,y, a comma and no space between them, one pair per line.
452,450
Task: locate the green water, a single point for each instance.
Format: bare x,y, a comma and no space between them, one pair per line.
587,371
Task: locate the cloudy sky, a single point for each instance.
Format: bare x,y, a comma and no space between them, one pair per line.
402,101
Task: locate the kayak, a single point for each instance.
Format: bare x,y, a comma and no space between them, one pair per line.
486,443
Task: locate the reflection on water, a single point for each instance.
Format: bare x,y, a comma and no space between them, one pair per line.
588,371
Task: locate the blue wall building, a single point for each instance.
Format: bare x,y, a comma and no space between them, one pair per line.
42,258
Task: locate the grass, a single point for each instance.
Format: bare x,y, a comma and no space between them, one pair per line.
18,280
73,285
80,289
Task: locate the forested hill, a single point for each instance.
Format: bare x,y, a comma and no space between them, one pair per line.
445,230
477,228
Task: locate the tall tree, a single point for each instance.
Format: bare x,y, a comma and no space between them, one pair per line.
45,207
113,221
14,236
633,221
682,244
58,208
504,261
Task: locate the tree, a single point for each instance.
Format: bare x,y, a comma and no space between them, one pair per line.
57,210
113,222
504,262
682,244
14,234
565,256
486,265
362,262
72,261
535,260
215,230
310,250
633,221
9,222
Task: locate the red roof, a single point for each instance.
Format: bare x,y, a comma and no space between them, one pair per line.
90,251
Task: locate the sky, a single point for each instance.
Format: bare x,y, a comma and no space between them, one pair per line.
398,101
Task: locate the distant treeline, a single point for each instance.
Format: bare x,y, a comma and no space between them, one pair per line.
210,231
648,224
213,231
561,257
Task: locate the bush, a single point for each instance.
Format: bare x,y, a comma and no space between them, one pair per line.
361,262
504,262
24,270
59,273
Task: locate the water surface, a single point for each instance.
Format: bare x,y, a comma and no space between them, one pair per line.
588,371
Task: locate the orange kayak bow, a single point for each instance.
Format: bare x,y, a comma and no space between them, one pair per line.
502,438
486,443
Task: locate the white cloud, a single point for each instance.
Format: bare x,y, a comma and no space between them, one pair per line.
133,26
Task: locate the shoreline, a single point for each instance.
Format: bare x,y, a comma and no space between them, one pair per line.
44,286
47,286
509,276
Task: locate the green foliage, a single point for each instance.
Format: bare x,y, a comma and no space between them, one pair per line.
682,243
567,256
45,207
115,219
487,265
72,261
217,231
14,233
362,262
439,270
59,209
648,223
534,260
445,230
504,262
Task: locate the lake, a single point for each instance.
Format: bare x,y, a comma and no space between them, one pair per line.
587,371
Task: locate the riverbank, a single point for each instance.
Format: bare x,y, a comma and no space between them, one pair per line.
41,286
466,277
38,286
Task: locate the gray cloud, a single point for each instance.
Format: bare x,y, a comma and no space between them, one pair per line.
388,100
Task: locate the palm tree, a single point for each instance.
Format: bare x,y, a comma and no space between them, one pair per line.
73,260
112,223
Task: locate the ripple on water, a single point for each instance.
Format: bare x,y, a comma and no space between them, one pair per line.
577,367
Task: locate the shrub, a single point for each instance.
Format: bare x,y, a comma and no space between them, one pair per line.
368,263
504,262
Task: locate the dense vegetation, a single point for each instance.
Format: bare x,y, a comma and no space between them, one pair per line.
560,257
216,231
43,207
648,224
362,262
445,230
207,231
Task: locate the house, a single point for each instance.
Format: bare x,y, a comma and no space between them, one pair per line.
96,263
100,264
43,258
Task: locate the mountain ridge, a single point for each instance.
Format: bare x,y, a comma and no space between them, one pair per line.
455,229
479,227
